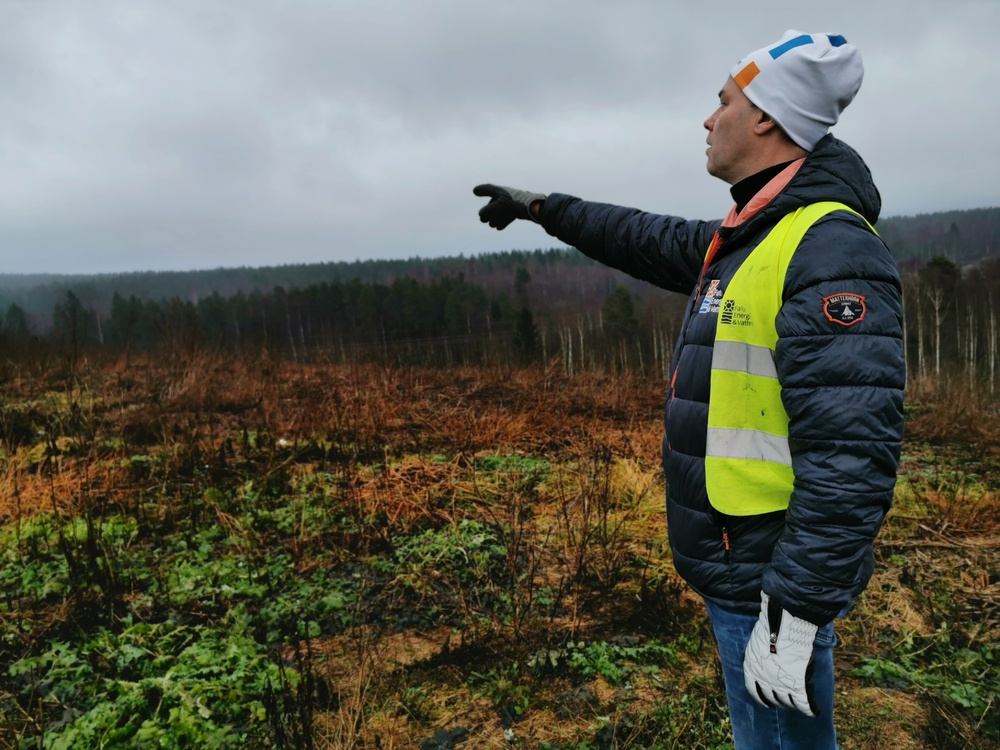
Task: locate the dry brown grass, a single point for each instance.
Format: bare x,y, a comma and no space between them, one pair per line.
402,446
883,719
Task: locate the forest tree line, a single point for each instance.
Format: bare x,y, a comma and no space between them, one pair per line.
951,321
440,322
964,237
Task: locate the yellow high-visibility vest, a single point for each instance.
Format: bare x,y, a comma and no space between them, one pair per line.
748,464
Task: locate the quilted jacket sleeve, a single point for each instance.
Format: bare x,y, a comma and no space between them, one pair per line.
664,250
842,382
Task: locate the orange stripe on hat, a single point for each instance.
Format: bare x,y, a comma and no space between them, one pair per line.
746,75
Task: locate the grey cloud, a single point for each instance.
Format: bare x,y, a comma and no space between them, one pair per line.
147,134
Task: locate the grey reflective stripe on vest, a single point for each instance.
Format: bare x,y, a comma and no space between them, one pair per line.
747,444
735,356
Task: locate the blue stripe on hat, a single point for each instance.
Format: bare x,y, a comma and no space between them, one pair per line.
790,45
836,40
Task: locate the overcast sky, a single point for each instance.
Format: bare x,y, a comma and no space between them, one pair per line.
182,134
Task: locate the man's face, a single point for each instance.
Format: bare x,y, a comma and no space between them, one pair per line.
731,138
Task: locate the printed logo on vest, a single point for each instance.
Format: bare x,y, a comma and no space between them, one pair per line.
713,298
734,315
845,308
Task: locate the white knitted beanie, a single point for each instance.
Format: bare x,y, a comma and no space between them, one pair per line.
803,82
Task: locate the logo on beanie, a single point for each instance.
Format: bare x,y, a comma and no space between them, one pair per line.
745,76
845,308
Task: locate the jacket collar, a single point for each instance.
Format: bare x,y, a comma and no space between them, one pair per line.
764,196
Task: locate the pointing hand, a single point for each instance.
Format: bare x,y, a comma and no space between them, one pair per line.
506,204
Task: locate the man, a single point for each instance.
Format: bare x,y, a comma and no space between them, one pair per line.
784,410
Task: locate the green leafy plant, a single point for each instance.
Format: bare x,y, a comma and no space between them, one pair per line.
614,661
967,677
166,685
451,570
504,689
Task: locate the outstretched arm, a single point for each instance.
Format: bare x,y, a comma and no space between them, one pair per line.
664,250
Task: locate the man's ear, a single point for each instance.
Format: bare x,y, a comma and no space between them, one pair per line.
765,124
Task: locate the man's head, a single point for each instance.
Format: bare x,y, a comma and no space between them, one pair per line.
787,96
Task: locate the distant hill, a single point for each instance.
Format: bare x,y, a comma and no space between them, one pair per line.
38,293
557,276
962,236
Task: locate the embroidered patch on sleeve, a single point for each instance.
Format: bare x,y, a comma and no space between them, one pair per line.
845,308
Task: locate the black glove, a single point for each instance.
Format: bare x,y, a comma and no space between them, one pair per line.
506,204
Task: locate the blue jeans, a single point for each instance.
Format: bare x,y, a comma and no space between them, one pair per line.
759,728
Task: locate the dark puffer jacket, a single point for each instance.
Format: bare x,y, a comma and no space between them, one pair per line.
842,386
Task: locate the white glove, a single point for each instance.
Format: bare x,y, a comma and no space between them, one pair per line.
778,660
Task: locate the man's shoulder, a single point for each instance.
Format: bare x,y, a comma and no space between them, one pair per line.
843,244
